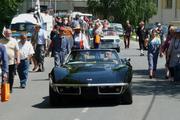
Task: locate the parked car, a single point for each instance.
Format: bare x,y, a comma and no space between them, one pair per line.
94,74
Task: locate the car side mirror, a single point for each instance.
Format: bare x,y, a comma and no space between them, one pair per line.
128,59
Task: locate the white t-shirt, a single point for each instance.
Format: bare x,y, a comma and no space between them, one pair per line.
25,50
81,36
11,47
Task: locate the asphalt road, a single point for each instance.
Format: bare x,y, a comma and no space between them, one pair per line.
154,99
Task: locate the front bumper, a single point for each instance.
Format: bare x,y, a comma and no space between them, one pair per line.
89,89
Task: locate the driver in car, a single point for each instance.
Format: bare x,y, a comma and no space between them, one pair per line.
108,57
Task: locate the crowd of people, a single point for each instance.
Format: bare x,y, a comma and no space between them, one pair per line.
16,55
70,34
159,44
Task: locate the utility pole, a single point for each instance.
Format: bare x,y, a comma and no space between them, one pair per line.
55,6
50,4
32,1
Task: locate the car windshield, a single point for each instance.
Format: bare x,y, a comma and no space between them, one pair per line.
22,27
108,32
93,56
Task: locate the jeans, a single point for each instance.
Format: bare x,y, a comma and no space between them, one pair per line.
96,45
59,58
152,60
23,69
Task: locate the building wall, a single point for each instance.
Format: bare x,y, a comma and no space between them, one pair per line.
167,13
58,5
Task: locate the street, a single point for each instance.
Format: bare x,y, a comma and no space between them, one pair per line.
153,99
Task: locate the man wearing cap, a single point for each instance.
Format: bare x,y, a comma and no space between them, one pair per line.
39,41
26,51
60,46
80,39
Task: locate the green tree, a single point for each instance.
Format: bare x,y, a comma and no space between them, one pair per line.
8,8
122,10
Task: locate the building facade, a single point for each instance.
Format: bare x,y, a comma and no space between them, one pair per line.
168,10
57,5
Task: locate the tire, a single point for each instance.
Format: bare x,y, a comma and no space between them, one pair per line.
118,49
53,98
126,98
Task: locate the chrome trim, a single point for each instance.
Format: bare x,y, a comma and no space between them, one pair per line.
99,93
90,85
61,93
121,91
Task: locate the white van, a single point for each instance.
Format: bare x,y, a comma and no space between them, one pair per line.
25,23
73,14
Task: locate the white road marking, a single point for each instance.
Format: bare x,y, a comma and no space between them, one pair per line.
76,119
85,110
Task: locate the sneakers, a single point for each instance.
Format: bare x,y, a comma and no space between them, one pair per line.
11,90
23,86
141,54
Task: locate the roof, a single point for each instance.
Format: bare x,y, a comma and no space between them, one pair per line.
24,18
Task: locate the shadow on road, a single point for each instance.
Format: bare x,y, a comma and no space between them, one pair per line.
143,73
47,79
158,85
75,103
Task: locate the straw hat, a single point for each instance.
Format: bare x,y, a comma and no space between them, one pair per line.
77,27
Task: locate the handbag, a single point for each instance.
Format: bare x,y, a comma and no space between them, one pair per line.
97,39
5,92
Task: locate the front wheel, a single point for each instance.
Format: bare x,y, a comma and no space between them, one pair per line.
118,49
53,98
127,96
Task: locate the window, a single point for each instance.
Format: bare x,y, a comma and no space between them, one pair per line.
169,4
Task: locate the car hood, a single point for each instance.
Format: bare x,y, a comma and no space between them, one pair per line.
90,73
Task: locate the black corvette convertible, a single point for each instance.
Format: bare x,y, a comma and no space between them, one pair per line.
92,73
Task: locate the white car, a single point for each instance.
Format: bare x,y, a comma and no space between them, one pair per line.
110,42
118,28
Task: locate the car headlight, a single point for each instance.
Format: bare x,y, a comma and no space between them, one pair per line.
117,40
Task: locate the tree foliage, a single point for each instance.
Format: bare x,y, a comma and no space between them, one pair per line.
8,8
122,10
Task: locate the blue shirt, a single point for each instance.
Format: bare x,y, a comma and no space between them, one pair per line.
42,37
154,45
61,44
4,59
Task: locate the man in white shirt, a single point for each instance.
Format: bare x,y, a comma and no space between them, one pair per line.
13,55
80,39
26,51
